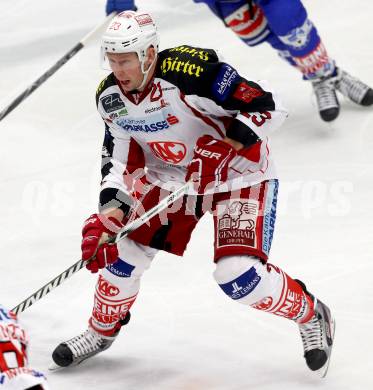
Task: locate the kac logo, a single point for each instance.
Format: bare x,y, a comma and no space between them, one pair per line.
171,152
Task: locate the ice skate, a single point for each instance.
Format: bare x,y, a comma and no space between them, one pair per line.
353,88
326,98
74,351
317,337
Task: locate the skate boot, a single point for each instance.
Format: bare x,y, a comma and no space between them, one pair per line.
326,98
74,351
353,88
317,337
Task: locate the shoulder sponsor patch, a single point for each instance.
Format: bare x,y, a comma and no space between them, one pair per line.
112,102
223,82
247,93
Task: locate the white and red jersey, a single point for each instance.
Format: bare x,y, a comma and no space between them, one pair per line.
192,94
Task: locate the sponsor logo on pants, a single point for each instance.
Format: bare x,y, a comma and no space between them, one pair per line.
237,223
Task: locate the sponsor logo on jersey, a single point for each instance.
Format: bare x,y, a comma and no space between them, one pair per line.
191,51
105,288
112,102
237,223
172,119
146,127
223,82
168,88
150,124
246,93
171,152
152,109
115,115
171,64
243,285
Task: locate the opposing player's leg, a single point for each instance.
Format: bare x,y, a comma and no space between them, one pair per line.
284,24
244,228
288,20
116,291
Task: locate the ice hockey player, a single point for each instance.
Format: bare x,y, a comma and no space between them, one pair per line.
284,24
180,114
15,374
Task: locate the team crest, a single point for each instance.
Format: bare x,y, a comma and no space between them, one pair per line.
170,152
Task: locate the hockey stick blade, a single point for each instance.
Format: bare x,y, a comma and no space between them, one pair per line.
58,280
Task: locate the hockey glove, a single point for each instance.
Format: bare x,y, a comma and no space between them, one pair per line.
95,230
209,166
119,6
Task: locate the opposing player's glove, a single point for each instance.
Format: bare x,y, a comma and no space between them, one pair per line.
209,166
95,230
119,6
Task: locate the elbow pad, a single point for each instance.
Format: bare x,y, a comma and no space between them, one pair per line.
114,198
242,133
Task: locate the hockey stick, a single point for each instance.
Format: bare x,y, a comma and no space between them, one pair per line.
58,280
36,84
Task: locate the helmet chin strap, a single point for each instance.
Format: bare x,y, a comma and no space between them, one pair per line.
145,73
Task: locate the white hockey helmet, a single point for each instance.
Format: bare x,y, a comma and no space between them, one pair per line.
129,32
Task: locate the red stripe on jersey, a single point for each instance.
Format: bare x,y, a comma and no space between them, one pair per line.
267,150
204,118
252,153
135,162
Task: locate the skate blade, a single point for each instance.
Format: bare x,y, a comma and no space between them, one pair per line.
324,370
54,367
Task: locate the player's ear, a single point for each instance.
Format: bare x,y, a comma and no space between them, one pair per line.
150,56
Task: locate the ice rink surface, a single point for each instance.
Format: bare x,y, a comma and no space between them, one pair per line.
184,333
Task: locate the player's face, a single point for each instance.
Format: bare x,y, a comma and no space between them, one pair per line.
127,69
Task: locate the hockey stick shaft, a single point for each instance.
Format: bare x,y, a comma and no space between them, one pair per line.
45,76
58,280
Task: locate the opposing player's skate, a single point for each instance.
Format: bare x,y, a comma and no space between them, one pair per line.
326,98
317,337
353,88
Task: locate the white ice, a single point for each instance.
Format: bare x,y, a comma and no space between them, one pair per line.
185,334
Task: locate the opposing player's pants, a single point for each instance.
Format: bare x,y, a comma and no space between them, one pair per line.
284,24
244,224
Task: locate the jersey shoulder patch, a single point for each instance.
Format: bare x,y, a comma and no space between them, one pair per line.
189,68
105,83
